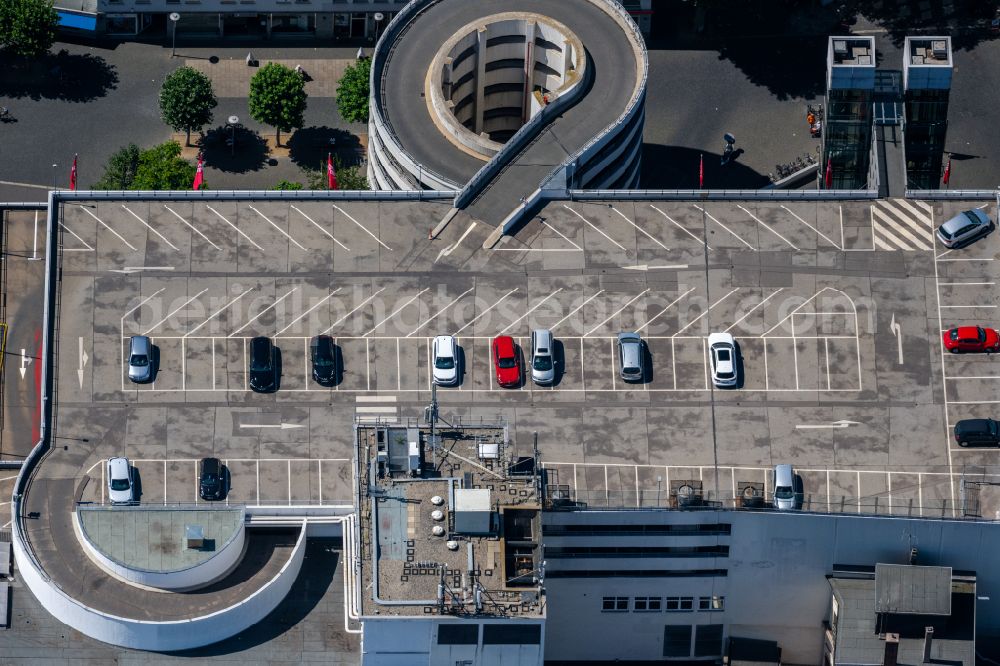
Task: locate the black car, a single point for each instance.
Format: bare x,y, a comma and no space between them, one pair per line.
977,432
212,482
323,354
263,370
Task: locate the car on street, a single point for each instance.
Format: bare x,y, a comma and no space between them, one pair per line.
964,228
722,348
444,356
263,367
506,361
120,482
543,366
971,339
211,480
630,357
783,479
977,432
323,355
140,359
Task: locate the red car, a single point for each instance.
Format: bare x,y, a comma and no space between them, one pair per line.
971,339
507,361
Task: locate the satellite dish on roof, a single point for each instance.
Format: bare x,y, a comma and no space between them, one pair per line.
379,16
174,16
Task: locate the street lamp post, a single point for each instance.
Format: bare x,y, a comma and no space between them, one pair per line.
233,123
378,23
174,18
54,166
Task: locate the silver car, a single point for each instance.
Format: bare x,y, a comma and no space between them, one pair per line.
964,228
630,361
543,366
120,485
140,359
784,488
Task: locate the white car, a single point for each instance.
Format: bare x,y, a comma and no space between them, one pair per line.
120,486
722,349
444,357
785,496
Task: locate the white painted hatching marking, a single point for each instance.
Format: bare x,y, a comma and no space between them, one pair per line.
132,247
279,229
733,233
318,226
671,220
474,319
258,315
175,311
563,236
669,305
397,311
192,227
218,312
705,312
537,305
236,228
150,227
591,225
639,229
575,310
76,249
441,311
763,224
751,310
358,307
304,314
351,218
617,312
818,232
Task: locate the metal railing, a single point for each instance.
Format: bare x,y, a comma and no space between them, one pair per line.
722,195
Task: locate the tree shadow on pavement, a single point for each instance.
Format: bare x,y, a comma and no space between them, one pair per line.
676,167
249,154
966,21
73,77
308,147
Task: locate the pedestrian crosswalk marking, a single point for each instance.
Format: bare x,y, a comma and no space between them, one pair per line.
898,224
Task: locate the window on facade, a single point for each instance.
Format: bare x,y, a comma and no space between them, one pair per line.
458,634
677,640
647,604
512,634
708,640
680,603
711,603
614,604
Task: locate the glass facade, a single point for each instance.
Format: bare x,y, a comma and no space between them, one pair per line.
847,138
926,129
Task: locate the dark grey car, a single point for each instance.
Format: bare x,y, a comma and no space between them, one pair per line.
964,228
140,359
630,357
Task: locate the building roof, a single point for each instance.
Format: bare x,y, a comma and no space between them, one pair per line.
912,590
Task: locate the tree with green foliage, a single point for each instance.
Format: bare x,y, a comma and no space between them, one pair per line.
187,100
278,98
353,92
348,177
27,27
158,168
288,185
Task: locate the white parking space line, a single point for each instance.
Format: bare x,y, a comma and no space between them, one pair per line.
175,311
349,217
789,315
961,307
258,315
441,311
218,312
397,311
589,224
499,301
563,236
332,237
148,226
85,210
88,248
751,310
966,284
967,259
192,227
617,312
657,315
733,233
236,228
639,229
674,222
820,233
705,312
306,313
944,372
358,307
279,229
537,305
763,224
575,310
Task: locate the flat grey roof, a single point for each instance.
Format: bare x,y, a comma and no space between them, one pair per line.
912,590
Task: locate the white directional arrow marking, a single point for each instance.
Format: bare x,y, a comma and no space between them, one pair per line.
83,362
25,362
843,423
647,267
897,330
282,426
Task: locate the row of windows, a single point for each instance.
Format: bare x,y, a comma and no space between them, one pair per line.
636,551
636,530
707,640
638,573
656,604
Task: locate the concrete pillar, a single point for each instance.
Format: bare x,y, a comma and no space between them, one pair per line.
480,79
529,68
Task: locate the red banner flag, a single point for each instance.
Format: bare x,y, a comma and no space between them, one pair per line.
947,172
828,178
701,172
72,175
199,175
331,175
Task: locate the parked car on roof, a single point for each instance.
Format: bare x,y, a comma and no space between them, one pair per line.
543,365
971,339
630,357
323,354
964,228
722,349
977,432
506,361
120,481
263,366
140,359
444,358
